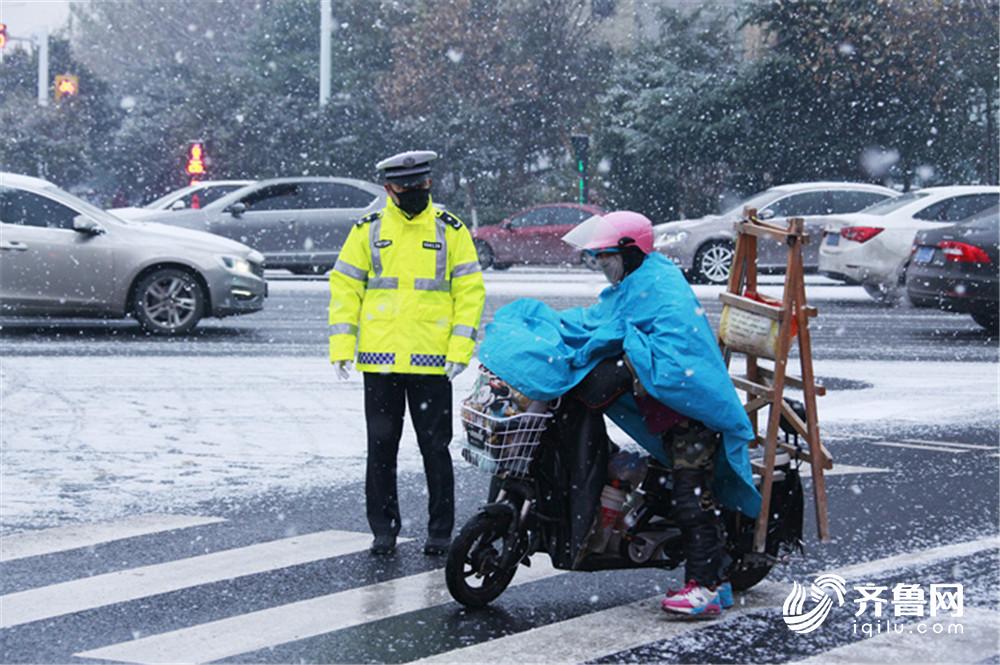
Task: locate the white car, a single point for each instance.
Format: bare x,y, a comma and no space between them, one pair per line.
872,247
198,195
703,248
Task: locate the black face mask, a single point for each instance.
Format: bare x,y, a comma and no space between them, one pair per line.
413,201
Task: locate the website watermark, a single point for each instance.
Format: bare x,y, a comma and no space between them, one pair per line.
878,609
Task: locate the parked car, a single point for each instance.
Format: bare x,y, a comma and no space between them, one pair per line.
954,268
532,235
193,196
61,256
871,247
296,223
703,247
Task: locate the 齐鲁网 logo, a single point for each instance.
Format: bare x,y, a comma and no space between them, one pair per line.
801,620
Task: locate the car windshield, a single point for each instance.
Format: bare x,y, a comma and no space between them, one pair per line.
889,205
757,201
206,194
164,200
82,206
987,215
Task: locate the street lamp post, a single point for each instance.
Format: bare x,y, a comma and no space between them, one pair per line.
325,27
42,42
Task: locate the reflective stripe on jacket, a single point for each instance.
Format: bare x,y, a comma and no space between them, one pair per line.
406,294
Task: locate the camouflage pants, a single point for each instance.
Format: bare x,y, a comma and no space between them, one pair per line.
692,448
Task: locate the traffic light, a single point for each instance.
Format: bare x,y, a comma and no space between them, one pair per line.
196,161
67,85
581,148
3,35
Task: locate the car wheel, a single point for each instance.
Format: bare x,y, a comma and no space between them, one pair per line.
485,253
883,294
713,262
168,301
990,321
311,270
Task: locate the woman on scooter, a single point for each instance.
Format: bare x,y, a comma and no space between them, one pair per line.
645,355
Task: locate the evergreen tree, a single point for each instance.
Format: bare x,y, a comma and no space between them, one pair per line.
65,142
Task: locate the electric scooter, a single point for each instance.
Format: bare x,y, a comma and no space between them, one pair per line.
532,510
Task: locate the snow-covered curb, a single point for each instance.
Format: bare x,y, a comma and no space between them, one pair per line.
589,285
86,438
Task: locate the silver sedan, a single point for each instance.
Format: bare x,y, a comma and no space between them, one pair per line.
61,256
296,223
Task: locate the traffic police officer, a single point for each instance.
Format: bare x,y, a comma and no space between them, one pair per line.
407,294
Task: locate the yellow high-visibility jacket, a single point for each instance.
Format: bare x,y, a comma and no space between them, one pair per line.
407,294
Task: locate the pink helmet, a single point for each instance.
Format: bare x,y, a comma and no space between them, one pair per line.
613,230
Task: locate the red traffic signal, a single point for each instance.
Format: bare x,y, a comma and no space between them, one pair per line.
196,159
3,35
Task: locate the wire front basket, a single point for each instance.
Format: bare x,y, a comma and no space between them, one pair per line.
502,446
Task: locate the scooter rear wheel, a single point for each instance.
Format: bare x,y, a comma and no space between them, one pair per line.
474,558
744,578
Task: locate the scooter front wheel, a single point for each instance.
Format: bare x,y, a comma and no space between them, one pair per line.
473,572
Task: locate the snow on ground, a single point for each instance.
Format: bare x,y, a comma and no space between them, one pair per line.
83,439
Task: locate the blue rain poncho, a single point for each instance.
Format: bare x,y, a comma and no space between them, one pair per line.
655,318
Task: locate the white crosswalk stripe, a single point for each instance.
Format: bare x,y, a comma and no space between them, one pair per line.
118,587
592,636
317,616
609,631
61,539
581,638
975,643
295,621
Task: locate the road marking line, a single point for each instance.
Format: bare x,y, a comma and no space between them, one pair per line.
296,621
805,471
918,557
60,539
969,646
952,443
591,636
918,446
118,587
602,633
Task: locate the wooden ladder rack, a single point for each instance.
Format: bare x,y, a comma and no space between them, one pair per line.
760,328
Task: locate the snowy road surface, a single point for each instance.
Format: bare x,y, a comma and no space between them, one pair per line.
225,472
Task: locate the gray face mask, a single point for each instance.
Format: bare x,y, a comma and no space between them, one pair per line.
612,266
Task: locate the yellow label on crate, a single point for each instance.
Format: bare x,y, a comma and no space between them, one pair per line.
748,332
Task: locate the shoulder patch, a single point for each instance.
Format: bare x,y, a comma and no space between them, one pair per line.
368,219
450,219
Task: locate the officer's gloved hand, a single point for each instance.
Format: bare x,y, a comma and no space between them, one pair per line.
454,369
343,368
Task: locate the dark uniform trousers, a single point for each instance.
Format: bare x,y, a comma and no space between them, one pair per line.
429,399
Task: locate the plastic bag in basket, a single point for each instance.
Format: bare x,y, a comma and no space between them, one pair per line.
493,396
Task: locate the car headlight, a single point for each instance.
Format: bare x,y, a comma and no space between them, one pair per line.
671,238
236,264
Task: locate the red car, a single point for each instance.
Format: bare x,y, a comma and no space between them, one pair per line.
533,235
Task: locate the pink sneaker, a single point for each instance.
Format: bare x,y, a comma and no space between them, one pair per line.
693,600
725,594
